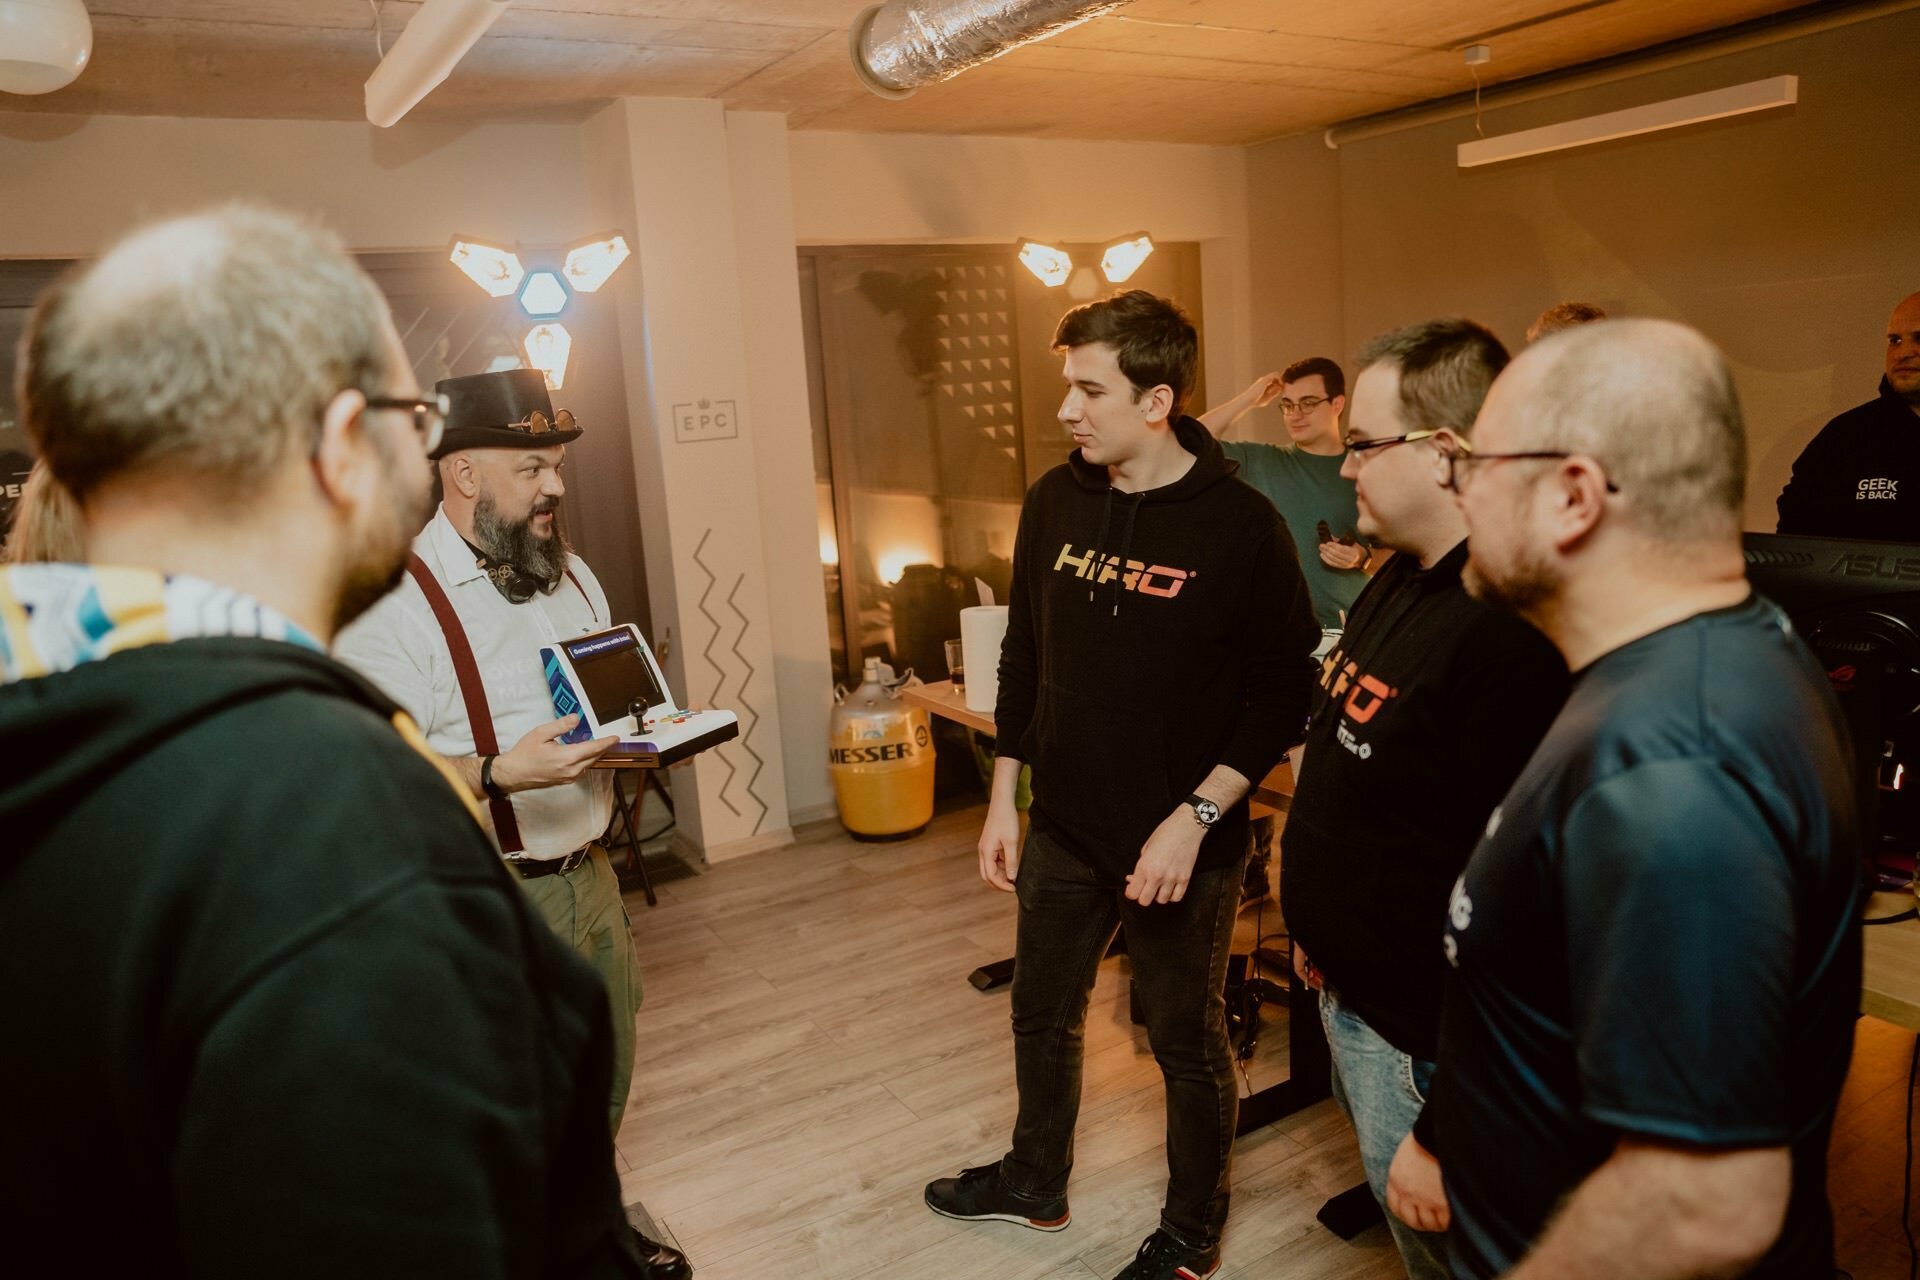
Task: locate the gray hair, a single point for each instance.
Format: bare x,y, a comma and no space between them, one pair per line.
1445,369
1654,403
209,345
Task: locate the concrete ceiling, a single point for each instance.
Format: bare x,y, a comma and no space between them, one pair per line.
1210,71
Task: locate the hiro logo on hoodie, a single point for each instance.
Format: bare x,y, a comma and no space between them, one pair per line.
1147,580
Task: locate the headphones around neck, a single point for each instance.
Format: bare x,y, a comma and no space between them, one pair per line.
513,582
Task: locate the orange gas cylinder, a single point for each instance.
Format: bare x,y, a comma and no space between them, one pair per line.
881,757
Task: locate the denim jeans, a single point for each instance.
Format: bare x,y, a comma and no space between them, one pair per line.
1382,1091
1179,955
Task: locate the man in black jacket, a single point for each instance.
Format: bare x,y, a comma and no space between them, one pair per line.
273,1006
1156,665
1860,478
1428,706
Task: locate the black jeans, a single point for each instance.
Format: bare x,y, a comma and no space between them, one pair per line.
1179,956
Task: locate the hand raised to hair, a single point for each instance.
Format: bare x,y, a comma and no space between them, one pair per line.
1266,389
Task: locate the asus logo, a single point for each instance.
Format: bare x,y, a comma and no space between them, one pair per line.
1867,565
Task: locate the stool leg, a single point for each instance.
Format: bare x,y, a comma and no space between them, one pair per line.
633,831
625,826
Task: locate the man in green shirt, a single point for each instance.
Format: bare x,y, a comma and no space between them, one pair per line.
1303,481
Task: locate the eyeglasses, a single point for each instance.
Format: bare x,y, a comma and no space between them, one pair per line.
538,424
1457,459
429,416
1361,448
1306,404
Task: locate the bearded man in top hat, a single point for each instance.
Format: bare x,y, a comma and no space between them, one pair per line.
457,645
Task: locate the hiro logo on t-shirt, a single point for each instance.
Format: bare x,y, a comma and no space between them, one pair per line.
1364,695
1876,488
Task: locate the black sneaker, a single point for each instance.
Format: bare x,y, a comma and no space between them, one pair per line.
978,1195
1164,1257
660,1261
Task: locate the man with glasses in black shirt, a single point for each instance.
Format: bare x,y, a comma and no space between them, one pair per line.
1428,706
1656,946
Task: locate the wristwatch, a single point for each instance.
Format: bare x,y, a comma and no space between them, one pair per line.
487,784
1205,811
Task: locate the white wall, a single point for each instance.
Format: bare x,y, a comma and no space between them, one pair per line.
1785,236
783,453
68,184
859,188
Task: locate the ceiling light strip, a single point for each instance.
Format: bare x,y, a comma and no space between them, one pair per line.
1674,113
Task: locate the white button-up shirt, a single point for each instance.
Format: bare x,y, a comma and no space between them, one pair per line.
399,646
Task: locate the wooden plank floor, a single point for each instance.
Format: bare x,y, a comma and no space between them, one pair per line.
810,1055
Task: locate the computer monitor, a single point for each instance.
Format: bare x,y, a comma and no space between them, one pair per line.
1800,573
1857,604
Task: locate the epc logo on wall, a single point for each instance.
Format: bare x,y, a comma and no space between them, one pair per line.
705,420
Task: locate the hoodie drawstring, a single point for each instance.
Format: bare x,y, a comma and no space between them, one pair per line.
1106,510
1126,548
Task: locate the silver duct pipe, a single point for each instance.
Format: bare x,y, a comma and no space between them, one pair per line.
901,45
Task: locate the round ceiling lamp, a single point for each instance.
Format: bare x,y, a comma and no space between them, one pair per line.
44,44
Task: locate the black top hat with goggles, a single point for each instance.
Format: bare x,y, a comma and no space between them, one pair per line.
508,409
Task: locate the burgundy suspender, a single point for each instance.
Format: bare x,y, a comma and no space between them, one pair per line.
472,692
583,595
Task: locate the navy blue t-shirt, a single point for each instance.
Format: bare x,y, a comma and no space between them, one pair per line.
1657,937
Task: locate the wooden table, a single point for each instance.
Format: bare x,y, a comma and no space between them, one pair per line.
942,699
1890,986
1271,795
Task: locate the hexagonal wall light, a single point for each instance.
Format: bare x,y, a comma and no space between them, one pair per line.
548,347
493,268
543,295
589,265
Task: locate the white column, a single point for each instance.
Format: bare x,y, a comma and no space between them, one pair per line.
658,169
783,448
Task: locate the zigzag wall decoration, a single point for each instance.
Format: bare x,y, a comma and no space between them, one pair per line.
746,734
752,715
713,699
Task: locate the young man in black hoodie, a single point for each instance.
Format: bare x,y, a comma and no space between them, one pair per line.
1428,706
273,1005
1156,665
1860,477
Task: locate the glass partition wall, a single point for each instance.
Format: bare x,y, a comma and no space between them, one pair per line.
933,394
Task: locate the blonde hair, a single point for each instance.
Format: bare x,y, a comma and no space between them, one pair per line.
46,523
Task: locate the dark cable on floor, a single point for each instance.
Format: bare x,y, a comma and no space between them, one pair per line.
1906,1170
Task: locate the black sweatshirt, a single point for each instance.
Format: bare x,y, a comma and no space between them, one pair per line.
1150,637
1427,710
273,1005
1860,477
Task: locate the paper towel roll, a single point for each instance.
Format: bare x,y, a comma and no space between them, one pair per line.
982,628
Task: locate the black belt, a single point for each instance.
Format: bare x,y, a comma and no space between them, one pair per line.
534,868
